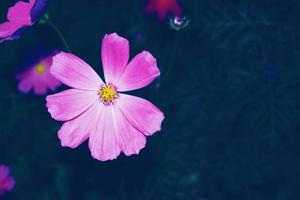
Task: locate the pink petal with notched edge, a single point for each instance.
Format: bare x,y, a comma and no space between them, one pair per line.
141,71
76,131
112,134
8,28
130,139
70,103
102,142
115,55
141,114
74,72
20,13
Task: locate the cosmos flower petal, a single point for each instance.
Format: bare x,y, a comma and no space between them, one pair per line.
76,131
6,182
115,55
113,135
130,139
32,2
19,17
20,13
47,78
141,114
141,71
4,171
8,28
103,139
25,84
70,103
53,83
74,72
40,88
9,183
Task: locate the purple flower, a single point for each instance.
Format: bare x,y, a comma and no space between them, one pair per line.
7,183
19,17
37,75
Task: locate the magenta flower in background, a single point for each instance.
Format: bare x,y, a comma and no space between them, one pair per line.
112,121
163,7
38,77
7,183
21,15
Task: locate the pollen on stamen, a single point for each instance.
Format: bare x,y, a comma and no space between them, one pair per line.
108,94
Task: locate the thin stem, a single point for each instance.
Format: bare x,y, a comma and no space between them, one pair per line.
61,36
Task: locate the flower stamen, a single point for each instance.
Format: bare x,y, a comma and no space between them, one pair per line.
108,94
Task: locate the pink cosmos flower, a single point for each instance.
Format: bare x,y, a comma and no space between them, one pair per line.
7,183
38,77
112,121
19,16
162,7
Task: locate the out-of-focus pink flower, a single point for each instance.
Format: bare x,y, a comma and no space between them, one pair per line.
38,77
7,183
112,121
20,16
163,7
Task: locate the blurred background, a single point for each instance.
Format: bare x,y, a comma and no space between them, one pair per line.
229,88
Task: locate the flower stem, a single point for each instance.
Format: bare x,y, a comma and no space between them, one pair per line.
59,33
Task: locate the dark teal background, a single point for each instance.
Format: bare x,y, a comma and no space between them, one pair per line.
229,88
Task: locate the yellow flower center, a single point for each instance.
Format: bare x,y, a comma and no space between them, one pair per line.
108,94
41,68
